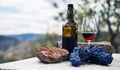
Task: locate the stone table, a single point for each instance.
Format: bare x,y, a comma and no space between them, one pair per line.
35,64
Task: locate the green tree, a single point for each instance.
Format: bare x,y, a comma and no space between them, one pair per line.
109,11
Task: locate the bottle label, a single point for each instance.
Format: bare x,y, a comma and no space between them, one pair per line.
67,31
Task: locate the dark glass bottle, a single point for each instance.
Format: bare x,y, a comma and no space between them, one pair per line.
69,31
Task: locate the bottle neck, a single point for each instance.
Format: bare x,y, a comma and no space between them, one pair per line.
70,14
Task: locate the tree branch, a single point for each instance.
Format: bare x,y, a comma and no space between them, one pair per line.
108,16
116,14
117,29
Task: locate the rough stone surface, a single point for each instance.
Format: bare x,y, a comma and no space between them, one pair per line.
35,64
106,45
52,55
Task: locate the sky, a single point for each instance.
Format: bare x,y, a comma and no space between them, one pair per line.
31,16
27,16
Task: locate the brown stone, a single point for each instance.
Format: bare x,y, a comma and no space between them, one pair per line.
52,55
106,45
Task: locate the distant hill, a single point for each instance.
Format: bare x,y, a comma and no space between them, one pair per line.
6,42
14,40
27,37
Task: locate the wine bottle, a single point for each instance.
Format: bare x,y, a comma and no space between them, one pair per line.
69,31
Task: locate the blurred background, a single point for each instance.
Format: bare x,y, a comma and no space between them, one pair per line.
26,25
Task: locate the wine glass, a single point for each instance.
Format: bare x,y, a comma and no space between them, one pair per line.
89,28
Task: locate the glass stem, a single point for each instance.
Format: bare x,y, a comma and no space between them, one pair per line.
89,43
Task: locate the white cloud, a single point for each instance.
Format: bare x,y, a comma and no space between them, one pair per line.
30,16
26,16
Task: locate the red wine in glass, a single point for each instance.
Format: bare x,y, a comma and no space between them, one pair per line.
89,36
89,28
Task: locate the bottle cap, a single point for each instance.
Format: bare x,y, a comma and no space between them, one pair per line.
70,5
